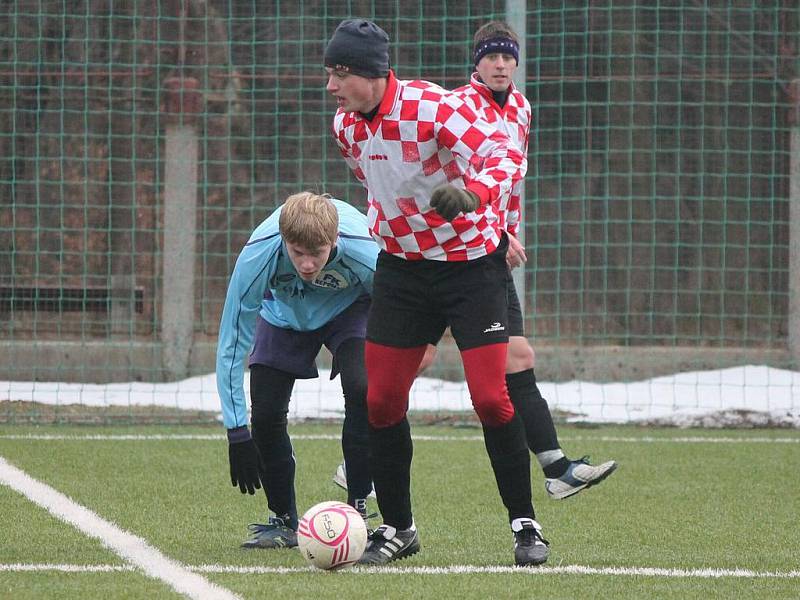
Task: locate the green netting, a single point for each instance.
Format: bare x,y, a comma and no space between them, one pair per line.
657,200
662,174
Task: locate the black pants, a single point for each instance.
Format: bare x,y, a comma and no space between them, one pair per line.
270,393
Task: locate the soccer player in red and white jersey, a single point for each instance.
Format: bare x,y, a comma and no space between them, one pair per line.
437,177
492,94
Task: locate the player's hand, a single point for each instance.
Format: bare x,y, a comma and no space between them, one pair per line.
448,201
245,461
516,252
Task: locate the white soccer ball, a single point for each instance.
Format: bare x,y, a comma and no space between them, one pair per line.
332,535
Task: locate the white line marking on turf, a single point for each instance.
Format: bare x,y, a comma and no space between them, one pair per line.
113,437
551,570
128,546
450,570
66,568
423,438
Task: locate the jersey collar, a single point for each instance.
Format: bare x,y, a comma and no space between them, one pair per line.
387,103
389,96
485,91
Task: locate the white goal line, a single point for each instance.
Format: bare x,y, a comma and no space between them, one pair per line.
422,438
701,573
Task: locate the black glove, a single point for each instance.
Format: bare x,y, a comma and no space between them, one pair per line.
448,201
245,460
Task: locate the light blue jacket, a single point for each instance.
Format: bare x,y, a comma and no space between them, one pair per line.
265,282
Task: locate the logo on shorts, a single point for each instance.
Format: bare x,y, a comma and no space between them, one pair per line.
494,327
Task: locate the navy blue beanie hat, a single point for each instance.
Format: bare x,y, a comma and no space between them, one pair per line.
359,47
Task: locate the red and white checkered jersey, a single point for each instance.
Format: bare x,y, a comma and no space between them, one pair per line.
421,137
513,119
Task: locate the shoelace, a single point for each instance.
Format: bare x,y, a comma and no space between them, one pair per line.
377,535
256,528
274,523
366,518
528,537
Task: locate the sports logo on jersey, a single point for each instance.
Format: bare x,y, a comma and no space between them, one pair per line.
494,327
331,279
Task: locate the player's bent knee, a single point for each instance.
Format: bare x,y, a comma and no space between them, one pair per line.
380,416
520,355
268,422
494,413
355,396
385,409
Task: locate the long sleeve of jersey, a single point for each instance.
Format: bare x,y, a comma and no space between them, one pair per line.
495,164
519,118
238,324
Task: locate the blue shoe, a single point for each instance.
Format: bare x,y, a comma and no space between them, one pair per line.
579,475
275,534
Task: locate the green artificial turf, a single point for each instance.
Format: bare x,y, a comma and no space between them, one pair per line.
675,505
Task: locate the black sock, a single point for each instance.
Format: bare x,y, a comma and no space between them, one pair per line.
270,390
511,464
556,469
540,431
355,450
275,448
349,359
391,451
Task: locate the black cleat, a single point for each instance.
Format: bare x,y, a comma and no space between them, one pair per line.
275,534
386,544
530,548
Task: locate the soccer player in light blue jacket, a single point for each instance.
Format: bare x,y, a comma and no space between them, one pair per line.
302,280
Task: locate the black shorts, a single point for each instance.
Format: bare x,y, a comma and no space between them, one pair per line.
414,301
515,325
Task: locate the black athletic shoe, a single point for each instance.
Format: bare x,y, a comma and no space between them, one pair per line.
275,534
530,548
386,544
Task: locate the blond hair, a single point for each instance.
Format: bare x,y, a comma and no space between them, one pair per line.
309,220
